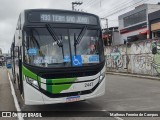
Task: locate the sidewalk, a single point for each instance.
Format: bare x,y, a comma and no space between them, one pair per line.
6,97
134,75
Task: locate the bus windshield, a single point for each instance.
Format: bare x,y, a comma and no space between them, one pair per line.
62,47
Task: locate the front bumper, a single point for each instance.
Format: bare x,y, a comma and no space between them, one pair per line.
33,96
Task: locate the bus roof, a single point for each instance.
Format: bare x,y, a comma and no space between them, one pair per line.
36,16
59,10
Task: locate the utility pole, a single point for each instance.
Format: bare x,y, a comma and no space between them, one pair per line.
76,3
107,23
0,51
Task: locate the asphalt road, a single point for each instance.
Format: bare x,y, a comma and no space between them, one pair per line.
122,94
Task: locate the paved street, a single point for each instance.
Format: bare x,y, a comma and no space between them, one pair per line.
122,94
131,94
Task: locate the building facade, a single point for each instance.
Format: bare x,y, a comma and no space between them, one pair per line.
134,25
154,24
111,36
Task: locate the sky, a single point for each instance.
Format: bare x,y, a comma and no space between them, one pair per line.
10,10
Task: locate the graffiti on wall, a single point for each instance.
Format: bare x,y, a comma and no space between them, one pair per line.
116,60
141,48
141,57
142,61
116,57
142,64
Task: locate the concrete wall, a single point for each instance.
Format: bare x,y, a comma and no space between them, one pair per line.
134,58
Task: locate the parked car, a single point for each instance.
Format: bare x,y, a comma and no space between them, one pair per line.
8,64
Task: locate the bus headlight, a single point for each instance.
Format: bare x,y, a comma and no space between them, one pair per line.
32,82
101,77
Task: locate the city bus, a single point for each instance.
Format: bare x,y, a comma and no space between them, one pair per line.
58,56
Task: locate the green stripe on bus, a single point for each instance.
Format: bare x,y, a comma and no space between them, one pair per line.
61,80
29,73
60,88
50,88
54,89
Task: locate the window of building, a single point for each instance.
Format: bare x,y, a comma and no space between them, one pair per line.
135,18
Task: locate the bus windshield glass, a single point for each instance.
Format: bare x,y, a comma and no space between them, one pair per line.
62,47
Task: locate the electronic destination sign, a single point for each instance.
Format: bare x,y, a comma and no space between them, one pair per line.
62,18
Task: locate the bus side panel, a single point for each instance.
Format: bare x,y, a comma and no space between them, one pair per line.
31,95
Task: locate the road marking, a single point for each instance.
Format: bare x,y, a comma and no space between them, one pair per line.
118,118
88,102
15,98
103,110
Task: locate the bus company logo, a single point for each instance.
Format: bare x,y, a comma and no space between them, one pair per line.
6,114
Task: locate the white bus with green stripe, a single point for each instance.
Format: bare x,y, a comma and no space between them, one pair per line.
58,56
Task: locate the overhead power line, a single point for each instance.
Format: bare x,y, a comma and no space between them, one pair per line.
120,10
112,10
86,4
92,3
115,8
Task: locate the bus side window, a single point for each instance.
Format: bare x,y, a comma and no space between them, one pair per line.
16,51
20,53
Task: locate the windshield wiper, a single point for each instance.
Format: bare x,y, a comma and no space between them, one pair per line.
83,31
62,48
54,36
78,40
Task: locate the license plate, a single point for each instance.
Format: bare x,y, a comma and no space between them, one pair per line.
73,99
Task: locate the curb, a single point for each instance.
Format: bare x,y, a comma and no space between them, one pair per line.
132,75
